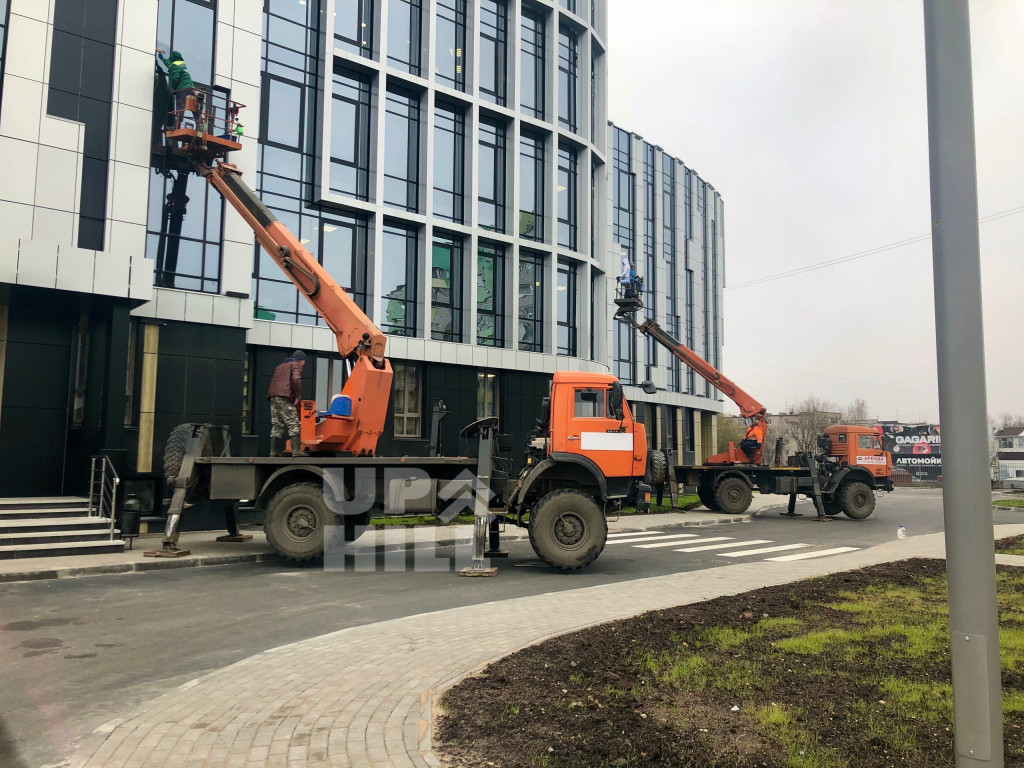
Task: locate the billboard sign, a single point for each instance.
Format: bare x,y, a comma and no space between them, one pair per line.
917,448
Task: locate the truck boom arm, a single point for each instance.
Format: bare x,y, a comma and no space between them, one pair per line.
356,334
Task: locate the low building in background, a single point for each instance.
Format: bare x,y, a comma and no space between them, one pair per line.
1009,470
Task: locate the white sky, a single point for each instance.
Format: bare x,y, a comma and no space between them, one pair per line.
809,117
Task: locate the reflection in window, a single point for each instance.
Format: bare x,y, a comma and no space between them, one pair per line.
568,77
531,302
623,195
446,289
353,26
531,73
491,191
402,159
398,281
493,50
449,162
350,134
566,316
531,186
589,403
625,353
568,196
450,45
486,394
408,400
569,5
405,21
187,26
490,295
336,241
184,232
282,112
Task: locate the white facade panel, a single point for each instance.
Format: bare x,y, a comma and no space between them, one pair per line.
18,159
37,264
49,225
22,107
57,179
27,47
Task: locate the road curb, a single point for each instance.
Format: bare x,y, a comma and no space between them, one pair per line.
44,574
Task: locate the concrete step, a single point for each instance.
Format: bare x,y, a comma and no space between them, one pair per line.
55,537
67,524
42,513
17,552
43,502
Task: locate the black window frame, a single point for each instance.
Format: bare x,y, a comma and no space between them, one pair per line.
532,42
410,287
453,303
414,65
363,46
494,28
499,147
568,77
456,117
624,194
531,148
407,410
625,353
495,307
5,22
451,12
535,320
568,185
567,311
650,250
411,181
361,84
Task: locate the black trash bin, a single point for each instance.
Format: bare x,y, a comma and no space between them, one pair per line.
131,512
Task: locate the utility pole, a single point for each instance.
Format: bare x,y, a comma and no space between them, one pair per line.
967,497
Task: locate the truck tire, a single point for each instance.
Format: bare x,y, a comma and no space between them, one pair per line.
567,529
295,521
733,496
832,508
857,500
657,468
707,498
174,455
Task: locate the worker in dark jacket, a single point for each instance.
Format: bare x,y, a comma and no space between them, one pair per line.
180,81
284,394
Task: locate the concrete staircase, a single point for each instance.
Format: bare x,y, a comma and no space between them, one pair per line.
53,527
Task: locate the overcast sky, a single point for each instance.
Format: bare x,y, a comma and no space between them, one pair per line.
809,117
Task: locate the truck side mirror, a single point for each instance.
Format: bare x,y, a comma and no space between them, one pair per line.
649,388
615,397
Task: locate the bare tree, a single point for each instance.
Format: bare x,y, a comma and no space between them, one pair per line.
730,428
809,419
1007,420
856,411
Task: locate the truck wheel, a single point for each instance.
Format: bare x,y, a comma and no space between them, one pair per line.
174,455
857,500
733,496
832,508
707,498
657,468
295,521
567,529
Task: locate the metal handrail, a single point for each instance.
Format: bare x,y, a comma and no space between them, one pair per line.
103,483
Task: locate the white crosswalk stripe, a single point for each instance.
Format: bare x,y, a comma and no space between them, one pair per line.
629,534
763,550
644,541
675,543
808,555
730,545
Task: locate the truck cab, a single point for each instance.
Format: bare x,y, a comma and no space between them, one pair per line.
860,447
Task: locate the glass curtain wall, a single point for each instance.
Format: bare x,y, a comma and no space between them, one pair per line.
399,260
449,161
490,295
353,26
350,133
568,77
405,32
402,159
446,288
493,64
450,44
668,240
624,233
650,272
531,71
492,176
531,302
568,196
567,308
531,186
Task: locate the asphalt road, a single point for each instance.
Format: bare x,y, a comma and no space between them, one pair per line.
79,652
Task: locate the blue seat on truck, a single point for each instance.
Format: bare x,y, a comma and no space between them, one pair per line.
341,405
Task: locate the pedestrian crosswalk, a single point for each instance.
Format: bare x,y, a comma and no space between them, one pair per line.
723,546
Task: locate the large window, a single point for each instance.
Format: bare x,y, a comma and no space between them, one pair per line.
531,302
446,289
568,77
449,162
408,400
405,24
184,232
336,240
688,202
398,281
402,159
493,64
486,394
668,244
531,73
353,26
567,304
492,178
490,295
189,25
623,194
450,45
625,353
350,134
568,197
531,186
569,5
650,252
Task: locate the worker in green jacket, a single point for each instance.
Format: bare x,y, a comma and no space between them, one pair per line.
180,81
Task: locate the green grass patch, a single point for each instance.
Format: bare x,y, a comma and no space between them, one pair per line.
1008,503
408,521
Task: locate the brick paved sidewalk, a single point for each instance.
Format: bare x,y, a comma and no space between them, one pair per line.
363,697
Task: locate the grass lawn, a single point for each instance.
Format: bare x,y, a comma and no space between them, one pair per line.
1011,546
850,670
1008,503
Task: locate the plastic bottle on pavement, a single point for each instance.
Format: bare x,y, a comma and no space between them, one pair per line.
901,532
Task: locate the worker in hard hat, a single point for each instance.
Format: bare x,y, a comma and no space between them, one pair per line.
753,440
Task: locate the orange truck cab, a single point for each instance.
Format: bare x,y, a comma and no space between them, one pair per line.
859,447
